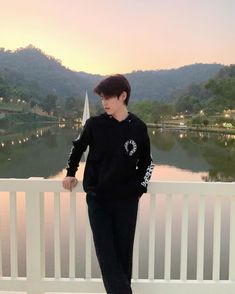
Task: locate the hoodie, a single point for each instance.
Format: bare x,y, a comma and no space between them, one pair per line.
119,163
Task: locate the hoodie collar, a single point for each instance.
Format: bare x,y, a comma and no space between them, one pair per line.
128,119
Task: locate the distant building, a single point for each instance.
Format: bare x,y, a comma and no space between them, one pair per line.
38,110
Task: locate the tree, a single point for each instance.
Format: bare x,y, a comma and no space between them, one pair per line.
205,122
4,88
32,103
70,103
49,103
143,109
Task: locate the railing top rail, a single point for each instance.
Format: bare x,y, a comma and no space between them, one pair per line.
174,187
202,188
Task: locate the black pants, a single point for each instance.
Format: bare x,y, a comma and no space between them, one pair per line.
113,227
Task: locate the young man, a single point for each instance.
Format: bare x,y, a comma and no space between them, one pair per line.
117,172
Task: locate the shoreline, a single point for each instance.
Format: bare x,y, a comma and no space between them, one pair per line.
149,125
186,128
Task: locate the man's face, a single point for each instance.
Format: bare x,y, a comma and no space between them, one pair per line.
113,105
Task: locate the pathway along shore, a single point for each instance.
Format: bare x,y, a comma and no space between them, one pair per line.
192,128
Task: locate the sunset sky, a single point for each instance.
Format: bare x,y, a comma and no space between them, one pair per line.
105,36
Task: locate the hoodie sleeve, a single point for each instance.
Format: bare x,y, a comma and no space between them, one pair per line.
79,146
145,164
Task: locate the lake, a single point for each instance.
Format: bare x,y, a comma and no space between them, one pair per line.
179,155
42,151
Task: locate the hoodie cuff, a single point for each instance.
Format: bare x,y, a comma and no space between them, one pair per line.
70,174
141,190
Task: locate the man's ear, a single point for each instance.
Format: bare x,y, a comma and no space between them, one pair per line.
123,96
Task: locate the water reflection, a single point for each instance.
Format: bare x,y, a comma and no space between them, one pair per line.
42,152
196,152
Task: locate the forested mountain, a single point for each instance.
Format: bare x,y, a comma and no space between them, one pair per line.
31,74
212,96
165,85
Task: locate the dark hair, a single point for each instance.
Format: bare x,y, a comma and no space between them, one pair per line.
114,86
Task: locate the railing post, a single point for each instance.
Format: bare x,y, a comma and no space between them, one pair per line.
34,241
0,244
13,229
184,239
167,266
57,217
72,236
135,267
152,232
232,241
88,247
200,238
217,239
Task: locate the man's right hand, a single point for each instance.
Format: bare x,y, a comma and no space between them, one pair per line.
69,183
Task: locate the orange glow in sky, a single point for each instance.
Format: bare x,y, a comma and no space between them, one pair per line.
106,36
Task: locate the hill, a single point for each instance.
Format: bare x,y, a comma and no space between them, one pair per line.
32,74
162,85
212,96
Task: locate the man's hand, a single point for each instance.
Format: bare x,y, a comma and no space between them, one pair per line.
69,183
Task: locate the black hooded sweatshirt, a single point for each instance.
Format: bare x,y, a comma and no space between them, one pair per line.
119,163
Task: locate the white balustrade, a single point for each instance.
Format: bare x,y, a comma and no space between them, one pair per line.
36,280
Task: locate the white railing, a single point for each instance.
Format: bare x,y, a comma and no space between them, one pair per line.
166,211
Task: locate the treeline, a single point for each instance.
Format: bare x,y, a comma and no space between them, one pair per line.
209,98
213,96
152,111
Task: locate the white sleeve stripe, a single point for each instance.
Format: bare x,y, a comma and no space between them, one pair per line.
148,174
